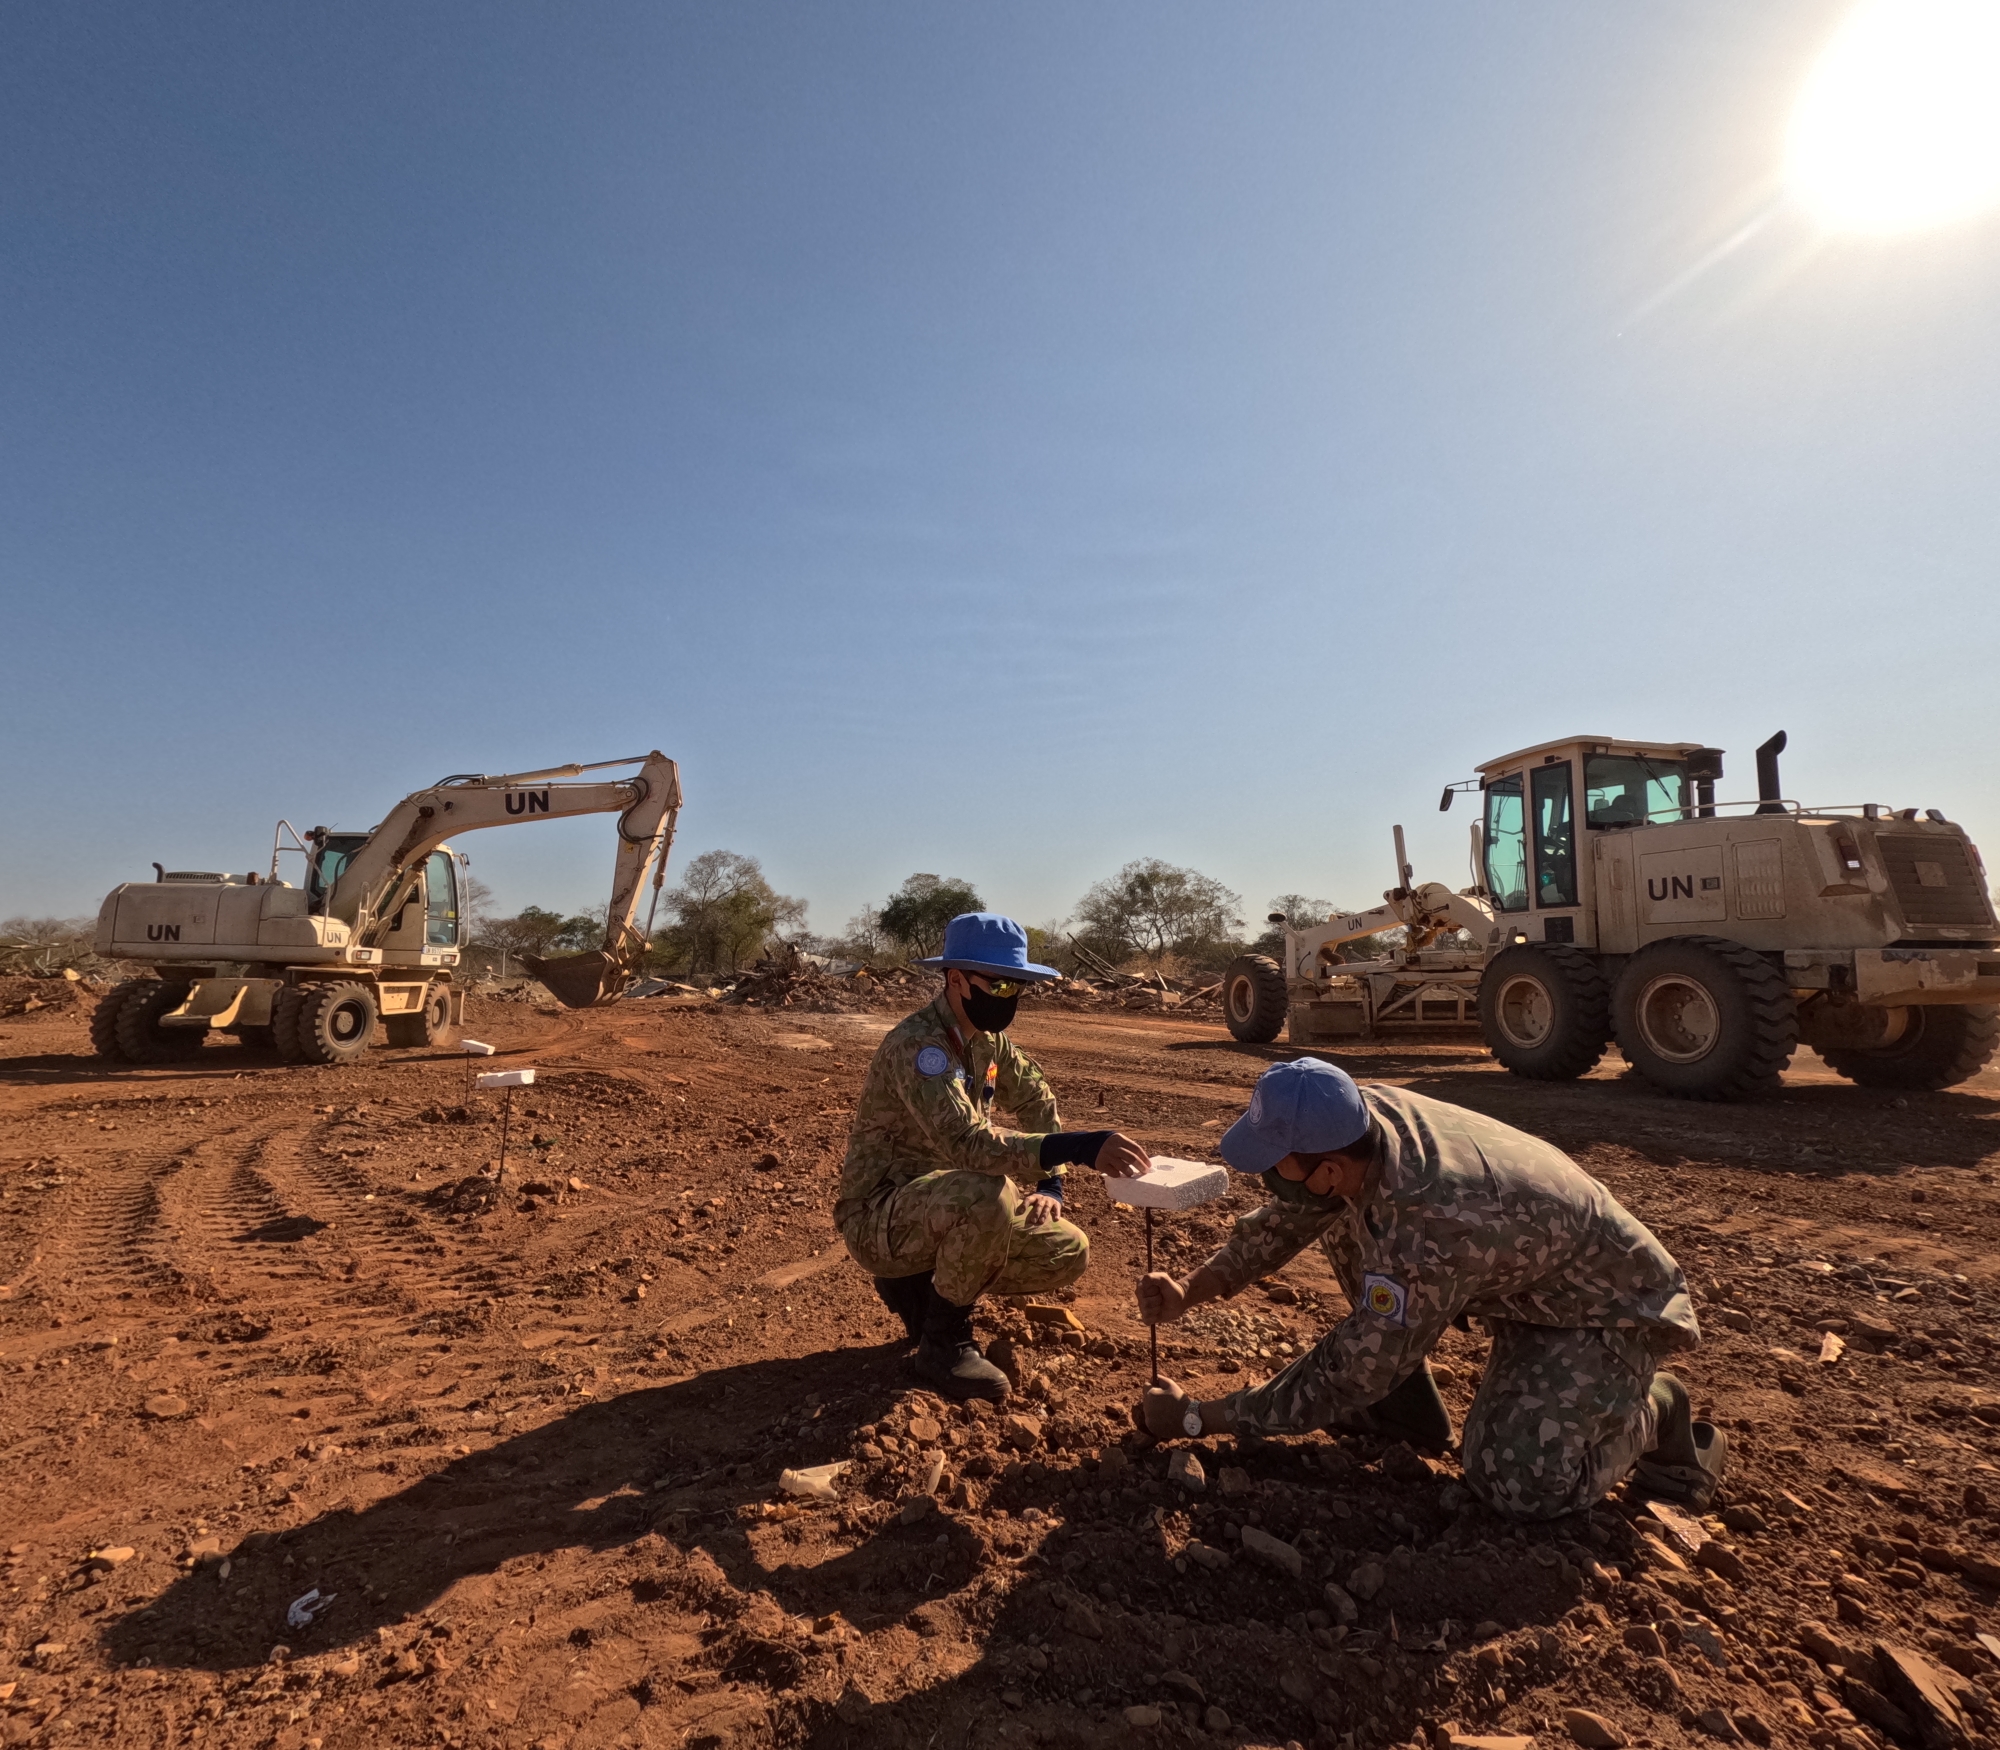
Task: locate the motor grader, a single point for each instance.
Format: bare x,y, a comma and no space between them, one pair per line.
367,943
1615,900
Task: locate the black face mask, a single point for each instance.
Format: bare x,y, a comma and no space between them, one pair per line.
1294,1191
990,1014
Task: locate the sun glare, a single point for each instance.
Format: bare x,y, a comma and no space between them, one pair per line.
1898,126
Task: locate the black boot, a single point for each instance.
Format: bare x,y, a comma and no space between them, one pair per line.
949,1361
908,1297
1413,1411
1687,1457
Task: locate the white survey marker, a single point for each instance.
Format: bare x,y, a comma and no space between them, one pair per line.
508,1078
1171,1184
477,1048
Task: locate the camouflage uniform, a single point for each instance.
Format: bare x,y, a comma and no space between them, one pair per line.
1467,1216
926,1184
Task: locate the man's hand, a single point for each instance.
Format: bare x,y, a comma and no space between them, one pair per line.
1164,1410
1041,1208
1120,1157
1161,1299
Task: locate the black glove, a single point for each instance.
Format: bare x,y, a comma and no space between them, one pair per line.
1073,1148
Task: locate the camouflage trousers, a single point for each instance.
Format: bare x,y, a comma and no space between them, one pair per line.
971,1230
1561,1417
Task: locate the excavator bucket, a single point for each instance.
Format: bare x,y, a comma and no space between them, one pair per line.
582,981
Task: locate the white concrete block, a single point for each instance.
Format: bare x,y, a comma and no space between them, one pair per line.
508,1078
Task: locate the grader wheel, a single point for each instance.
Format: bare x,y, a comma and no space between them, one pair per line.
1545,1011
1941,1046
1254,999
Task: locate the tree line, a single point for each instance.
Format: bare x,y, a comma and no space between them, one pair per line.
724,914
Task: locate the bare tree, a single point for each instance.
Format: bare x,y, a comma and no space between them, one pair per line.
1156,909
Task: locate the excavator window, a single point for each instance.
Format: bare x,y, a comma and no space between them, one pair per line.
1506,845
1555,836
1622,789
339,847
440,900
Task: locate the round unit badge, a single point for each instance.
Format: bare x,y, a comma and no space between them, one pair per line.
933,1060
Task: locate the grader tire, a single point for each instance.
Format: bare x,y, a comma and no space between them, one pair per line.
1704,1018
285,1006
1254,999
1941,1047
1545,1011
141,1037
104,1018
430,1025
336,1023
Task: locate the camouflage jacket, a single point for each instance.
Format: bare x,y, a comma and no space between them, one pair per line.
928,1104
1463,1216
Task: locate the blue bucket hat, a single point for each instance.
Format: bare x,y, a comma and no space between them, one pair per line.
1307,1106
984,941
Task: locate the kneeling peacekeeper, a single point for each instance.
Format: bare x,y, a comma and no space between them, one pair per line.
1430,1214
927,1205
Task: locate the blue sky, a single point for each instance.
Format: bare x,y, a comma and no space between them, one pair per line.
1003,441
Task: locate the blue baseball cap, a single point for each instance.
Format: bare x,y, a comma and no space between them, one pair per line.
1306,1106
984,941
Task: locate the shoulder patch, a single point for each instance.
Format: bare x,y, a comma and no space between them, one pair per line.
933,1060
1386,1298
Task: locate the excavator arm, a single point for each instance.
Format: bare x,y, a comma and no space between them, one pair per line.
382,874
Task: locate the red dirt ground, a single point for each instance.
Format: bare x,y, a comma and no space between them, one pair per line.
257,1330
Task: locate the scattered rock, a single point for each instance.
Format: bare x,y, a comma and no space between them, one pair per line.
165,1407
1751,1725
1717,1724
1233,1480
1680,1528
1491,1741
1831,1348
116,1556
916,1508
1273,1551
1929,1696
1877,1709
1744,1518
1185,1469
1402,1463
1735,1319
1142,1719
1022,1433
1215,1719
1341,1603
1593,1731
1366,1580
1184,1687
924,1431
1644,1639
1719,1558
1080,1619
1205,1555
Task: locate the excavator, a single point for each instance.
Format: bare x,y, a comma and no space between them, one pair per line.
366,944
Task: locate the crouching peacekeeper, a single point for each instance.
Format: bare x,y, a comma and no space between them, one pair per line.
1430,1214
928,1206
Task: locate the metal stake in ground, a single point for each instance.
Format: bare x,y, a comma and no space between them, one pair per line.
1170,1184
509,1079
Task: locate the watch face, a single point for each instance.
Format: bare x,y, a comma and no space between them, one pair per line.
1191,1422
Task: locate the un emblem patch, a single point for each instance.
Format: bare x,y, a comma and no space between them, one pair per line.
1386,1298
933,1060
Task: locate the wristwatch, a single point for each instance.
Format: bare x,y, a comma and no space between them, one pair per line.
1191,1421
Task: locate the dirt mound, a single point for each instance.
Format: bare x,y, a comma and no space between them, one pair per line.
527,1450
21,995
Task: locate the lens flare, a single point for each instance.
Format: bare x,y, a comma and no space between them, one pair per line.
1898,126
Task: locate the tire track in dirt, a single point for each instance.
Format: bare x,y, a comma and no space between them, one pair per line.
105,1235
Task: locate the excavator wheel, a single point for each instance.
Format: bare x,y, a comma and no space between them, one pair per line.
1545,1011
430,1025
285,1006
1942,1045
336,1023
104,1018
1254,1000
141,1037
1705,1018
